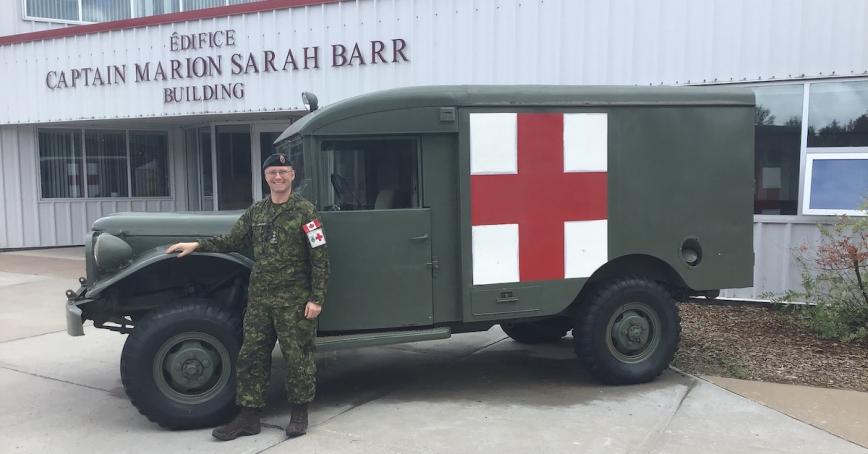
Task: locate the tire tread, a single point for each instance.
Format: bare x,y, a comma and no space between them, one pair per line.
139,341
589,316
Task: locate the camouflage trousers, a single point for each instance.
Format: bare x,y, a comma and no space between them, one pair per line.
264,324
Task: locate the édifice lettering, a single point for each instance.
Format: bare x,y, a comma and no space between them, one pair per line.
219,38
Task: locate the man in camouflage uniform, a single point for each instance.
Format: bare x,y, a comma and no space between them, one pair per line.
287,290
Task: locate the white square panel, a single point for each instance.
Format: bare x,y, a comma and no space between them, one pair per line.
586,139
495,254
493,147
586,247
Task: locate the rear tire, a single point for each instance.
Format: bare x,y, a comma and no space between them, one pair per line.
543,331
627,332
177,366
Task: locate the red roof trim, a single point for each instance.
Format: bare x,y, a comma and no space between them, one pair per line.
208,13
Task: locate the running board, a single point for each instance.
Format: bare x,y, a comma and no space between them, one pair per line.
329,343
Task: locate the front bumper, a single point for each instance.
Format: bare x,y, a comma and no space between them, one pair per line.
74,320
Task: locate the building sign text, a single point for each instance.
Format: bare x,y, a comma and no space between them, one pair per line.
228,66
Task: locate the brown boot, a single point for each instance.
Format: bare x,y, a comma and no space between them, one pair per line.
245,423
298,422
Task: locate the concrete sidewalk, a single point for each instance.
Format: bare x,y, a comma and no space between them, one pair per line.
477,392
840,412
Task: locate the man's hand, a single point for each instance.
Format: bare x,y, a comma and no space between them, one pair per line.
312,310
182,248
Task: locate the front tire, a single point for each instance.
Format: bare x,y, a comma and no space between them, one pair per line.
177,366
627,332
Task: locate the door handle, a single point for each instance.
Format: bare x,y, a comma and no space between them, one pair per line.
421,237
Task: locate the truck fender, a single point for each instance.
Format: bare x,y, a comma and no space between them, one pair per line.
158,255
651,267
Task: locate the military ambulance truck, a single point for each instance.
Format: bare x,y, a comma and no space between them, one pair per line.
451,209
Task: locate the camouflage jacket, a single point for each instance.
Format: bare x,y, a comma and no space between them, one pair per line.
287,266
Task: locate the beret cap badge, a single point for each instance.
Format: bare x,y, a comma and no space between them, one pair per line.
276,159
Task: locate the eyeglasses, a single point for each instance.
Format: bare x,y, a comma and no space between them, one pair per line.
276,172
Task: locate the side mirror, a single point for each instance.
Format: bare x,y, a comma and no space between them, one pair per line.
309,100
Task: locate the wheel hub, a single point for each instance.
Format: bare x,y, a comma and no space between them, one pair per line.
190,365
632,331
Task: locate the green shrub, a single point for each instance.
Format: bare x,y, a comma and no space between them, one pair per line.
835,282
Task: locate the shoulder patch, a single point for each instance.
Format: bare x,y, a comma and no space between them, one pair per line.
314,232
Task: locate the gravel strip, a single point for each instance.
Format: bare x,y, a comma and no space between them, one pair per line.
758,343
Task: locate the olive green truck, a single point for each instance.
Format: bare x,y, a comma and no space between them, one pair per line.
451,209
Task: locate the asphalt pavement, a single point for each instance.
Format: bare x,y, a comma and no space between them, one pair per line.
473,393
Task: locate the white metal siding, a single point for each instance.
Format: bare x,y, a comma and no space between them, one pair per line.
455,41
29,221
12,22
777,241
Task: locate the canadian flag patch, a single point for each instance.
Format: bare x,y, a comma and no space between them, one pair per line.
314,232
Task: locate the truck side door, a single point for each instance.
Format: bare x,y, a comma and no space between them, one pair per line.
379,235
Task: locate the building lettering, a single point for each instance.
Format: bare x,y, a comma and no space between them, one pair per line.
238,64
209,92
75,77
219,38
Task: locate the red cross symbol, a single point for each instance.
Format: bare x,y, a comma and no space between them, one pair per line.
540,197
319,237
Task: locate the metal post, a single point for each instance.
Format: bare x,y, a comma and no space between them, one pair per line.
214,188
129,170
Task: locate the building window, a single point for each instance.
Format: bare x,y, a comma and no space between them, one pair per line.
155,7
202,4
77,163
838,114
105,10
60,163
778,130
106,163
53,9
88,11
149,164
836,159
836,183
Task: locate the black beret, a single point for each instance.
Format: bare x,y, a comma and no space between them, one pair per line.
277,159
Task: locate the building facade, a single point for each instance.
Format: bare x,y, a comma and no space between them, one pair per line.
166,105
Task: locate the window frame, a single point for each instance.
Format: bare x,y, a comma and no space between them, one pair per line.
812,152
803,211
169,179
85,196
802,141
25,14
819,154
324,185
81,164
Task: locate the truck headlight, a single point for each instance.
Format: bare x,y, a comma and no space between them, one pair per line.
110,252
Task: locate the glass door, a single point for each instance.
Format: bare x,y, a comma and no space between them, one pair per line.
234,176
264,135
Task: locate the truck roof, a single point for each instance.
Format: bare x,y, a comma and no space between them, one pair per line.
518,96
